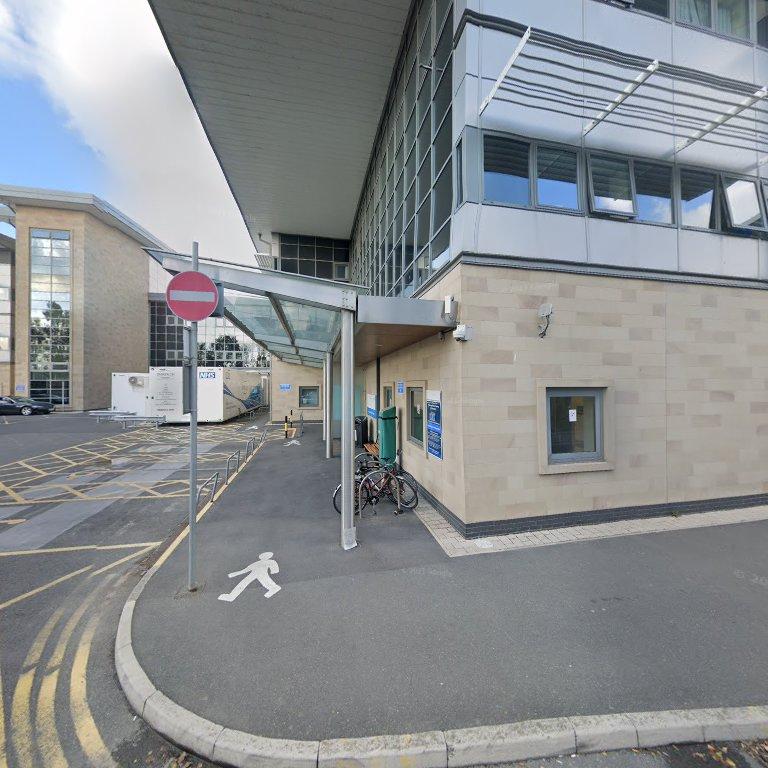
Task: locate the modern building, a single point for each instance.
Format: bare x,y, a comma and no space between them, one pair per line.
586,179
81,299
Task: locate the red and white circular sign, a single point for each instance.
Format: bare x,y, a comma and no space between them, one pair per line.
192,296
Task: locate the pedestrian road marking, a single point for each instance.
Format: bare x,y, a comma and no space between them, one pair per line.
293,442
259,571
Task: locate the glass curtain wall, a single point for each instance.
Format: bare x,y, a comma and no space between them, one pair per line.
50,331
314,256
402,230
6,311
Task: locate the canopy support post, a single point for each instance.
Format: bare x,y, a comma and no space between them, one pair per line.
328,405
348,532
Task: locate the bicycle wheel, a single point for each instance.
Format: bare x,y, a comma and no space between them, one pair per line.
409,497
365,498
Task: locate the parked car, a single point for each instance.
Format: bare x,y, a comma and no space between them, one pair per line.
24,405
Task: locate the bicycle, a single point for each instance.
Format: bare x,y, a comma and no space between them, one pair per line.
384,482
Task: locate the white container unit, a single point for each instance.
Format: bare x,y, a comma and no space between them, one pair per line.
222,393
130,393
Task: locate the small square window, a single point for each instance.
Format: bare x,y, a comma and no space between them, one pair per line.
505,164
611,186
416,414
653,186
557,178
697,194
309,397
743,203
574,425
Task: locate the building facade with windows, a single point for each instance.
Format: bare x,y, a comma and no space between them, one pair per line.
588,180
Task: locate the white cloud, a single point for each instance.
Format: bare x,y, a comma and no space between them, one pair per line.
105,64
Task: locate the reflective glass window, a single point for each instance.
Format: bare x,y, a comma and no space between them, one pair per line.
653,186
505,166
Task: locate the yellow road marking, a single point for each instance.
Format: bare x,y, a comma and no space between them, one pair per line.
21,723
44,587
13,521
5,489
85,727
81,548
122,560
3,749
45,723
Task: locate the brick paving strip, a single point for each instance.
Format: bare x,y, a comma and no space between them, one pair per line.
527,740
455,545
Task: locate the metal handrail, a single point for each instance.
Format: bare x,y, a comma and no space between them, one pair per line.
236,456
215,478
263,435
250,447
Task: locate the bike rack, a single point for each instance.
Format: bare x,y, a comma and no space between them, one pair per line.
250,447
236,456
214,478
263,436
301,424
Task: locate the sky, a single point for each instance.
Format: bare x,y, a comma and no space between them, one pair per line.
92,102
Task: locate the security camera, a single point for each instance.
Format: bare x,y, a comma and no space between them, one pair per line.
463,333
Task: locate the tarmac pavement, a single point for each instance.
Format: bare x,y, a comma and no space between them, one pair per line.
396,637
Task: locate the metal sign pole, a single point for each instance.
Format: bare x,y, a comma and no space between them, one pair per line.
191,570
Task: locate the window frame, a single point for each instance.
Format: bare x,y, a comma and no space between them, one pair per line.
589,155
718,228
408,393
534,177
303,387
581,456
674,190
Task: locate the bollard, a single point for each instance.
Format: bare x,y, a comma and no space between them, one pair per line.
286,427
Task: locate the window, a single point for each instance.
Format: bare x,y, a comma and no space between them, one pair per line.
505,165
611,185
416,414
697,194
657,7
762,22
730,17
309,397
557,178
574,425
459,172
653,187
742,203
388,398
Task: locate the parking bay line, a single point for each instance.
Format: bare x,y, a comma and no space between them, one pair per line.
81,548
44,587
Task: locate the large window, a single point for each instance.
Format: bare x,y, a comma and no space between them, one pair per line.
697,195
309,397
657,7
574,425
50,315
314,256
505,165
611,185
653,187
557,178
762,22
416,414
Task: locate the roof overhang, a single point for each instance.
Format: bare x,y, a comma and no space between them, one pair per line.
290,96
298,318
13,197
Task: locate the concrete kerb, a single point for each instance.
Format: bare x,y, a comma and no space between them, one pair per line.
527,740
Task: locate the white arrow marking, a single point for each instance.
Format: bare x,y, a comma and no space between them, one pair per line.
259,571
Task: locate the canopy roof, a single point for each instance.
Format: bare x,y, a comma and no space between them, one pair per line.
297,318
290,95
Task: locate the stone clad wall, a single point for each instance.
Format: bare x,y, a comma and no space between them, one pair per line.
297,376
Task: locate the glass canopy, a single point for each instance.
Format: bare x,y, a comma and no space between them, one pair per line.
296,318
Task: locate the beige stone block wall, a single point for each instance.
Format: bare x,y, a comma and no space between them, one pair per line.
434,363
686,364
6,378
281,403
115,310
31,217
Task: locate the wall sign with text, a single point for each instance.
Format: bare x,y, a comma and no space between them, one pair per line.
435,423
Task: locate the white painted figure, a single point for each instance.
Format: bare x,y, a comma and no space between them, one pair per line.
259,571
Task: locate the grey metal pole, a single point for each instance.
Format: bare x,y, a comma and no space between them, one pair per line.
191,566
348,533
329,405
325,398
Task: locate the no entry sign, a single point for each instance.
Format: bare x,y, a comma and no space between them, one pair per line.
192,296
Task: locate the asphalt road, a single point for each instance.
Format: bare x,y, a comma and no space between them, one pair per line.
60,702
396,637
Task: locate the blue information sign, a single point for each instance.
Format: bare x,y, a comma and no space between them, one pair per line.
435,423
285,387
400,387
434,444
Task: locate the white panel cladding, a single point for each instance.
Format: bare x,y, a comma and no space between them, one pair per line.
561,16
545,235
531,234
639,246
633,33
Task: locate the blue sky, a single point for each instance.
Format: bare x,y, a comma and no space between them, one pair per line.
40,150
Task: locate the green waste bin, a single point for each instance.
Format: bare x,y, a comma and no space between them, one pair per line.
388,434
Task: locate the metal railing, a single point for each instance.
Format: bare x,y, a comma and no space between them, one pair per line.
250,447
236,457
212,480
